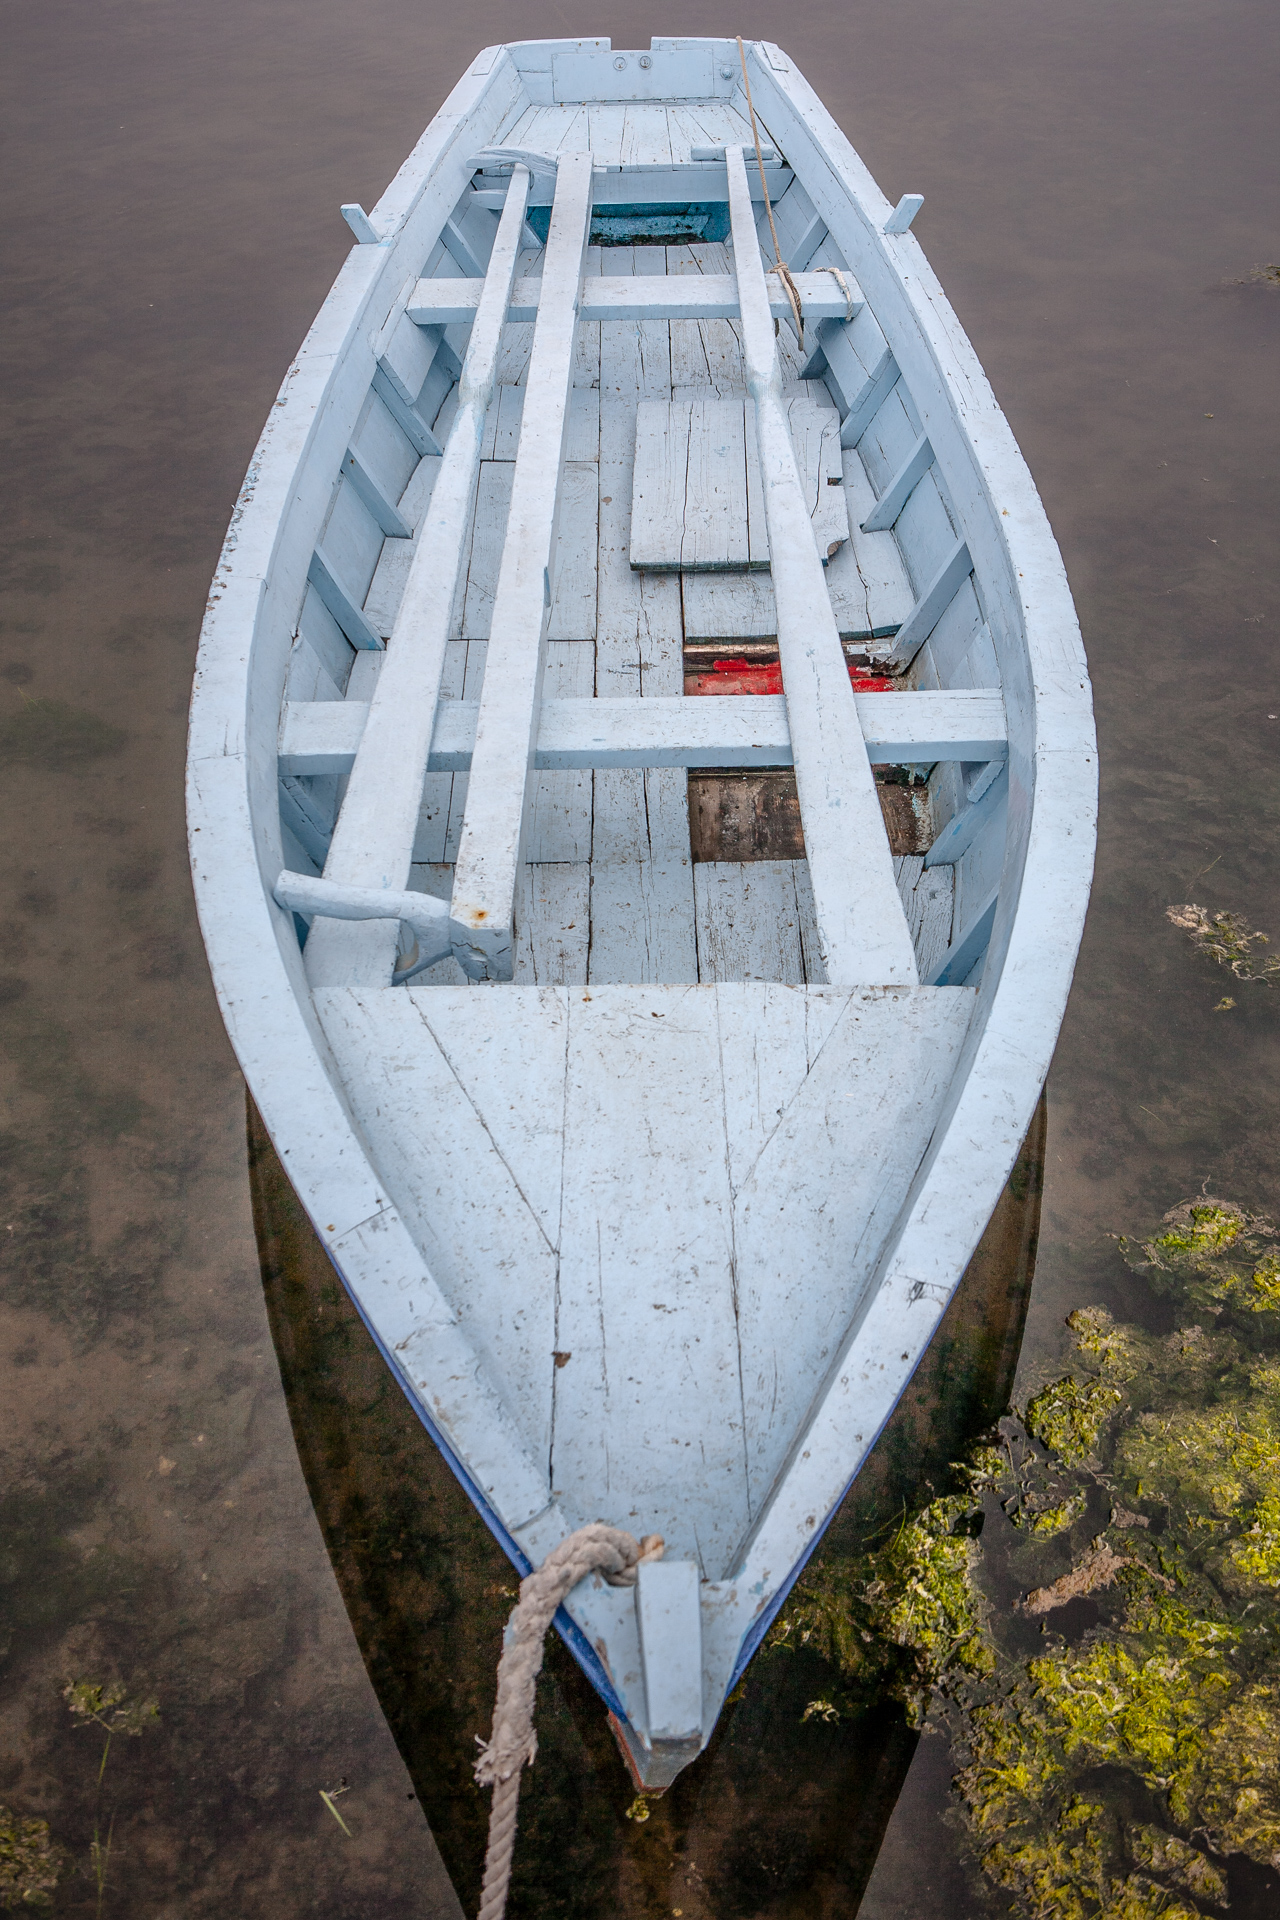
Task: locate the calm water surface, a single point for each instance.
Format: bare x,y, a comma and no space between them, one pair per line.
1100,179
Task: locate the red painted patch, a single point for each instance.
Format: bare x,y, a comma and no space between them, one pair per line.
741,676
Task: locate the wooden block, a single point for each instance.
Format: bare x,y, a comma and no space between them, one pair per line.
669,1616
745,816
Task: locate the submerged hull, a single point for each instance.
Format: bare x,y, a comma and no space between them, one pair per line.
653,1225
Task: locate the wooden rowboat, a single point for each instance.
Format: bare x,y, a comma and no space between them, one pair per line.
650,1168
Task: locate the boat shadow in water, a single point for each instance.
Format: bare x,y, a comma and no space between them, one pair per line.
782,1815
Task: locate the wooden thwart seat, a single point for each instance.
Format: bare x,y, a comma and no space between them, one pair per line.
862,929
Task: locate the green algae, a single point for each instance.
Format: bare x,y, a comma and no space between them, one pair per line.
1213,1256
1146,1483
30,1863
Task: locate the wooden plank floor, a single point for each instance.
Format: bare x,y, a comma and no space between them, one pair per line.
609,894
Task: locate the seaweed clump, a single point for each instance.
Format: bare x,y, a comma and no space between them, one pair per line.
1141,1490
1212,1255
30,1863
1228,940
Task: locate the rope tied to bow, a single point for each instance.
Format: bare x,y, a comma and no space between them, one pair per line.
780,266
513,1743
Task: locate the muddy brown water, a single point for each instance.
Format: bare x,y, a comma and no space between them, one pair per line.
1100,183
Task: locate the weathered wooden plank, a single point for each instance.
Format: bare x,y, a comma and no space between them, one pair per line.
560,802
553,924
697,501
871,569
712,731
705,354
713,529
861,925
637,815
374,839
711,296
747,921
642,914
490,847
646,136
770,1039
841,1158
573,567
646,1299
475,1178
659,482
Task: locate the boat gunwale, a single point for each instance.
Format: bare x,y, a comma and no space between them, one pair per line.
256,964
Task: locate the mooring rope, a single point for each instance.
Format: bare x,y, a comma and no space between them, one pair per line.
780,266
513,1742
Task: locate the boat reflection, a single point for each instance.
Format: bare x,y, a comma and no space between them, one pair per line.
782,1816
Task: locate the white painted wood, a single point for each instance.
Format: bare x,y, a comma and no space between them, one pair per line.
712,731
560,802
872,565
642,912
373,840
360,223
853,1133
937,596
669,1613
961,831
493,826
747,918
349,616
697,500
645,1297
713,296
475,1177
904,213
861,926
705,354
927,894
958,962
553,924
898,492
388,517
684,74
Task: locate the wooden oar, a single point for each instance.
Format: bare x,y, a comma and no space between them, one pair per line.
372,847
489,849
862,929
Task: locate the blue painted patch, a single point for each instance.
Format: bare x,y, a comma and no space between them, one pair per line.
655,224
